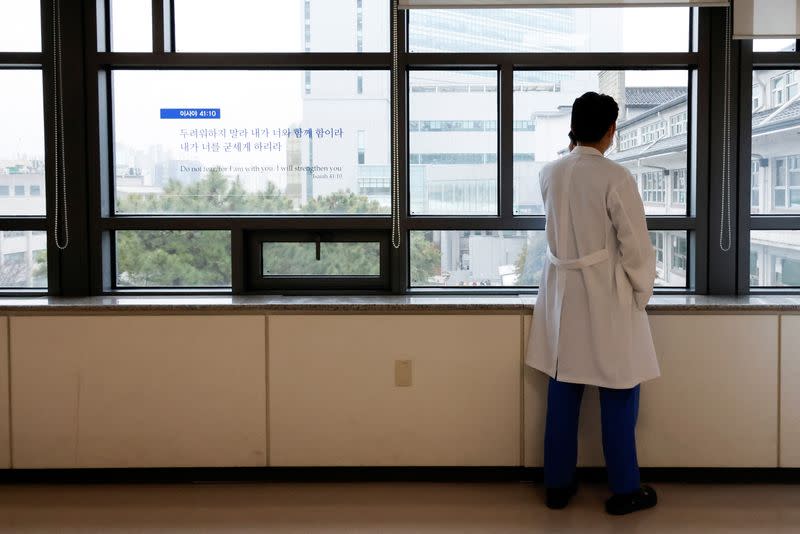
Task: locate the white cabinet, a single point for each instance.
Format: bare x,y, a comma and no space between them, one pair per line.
333,399
713,406
790,391
144,391
5,436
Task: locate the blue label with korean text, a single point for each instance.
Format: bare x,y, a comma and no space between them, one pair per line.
190,113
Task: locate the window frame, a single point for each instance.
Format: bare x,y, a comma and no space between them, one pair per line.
42,62
749,62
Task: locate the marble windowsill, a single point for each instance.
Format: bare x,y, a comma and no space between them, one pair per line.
366,304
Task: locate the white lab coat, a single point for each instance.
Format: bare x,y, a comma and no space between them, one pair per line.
590,324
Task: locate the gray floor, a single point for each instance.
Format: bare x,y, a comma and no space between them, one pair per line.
387,508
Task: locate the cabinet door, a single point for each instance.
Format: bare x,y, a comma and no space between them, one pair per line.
169,391
790,391
333,398
5,435
713,406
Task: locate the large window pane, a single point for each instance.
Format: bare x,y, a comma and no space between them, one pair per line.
288,142
477,258
775,158
23,259
550,30
165,258
20,26
282,26
775,258
672,258
335,259
453,142
652,131
21,143
131,26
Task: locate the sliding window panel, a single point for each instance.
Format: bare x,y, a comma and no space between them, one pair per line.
455,259
173,259
775,258
22,167
23,260
453,144
652,131
251,142
282,26
549,30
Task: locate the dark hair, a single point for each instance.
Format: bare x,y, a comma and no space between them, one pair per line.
592,116
571,137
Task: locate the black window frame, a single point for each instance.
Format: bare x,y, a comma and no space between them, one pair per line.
749,62
697,61
85,267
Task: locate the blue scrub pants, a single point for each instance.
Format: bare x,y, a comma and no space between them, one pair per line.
618,411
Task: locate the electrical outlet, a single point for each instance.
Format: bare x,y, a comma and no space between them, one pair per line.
402,373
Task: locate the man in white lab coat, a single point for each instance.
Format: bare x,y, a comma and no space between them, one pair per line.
590,324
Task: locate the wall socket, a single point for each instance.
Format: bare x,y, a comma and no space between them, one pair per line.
402,373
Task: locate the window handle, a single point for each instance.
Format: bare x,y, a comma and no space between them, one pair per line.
318,252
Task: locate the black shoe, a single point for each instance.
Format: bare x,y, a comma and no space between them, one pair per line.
625,503
558,498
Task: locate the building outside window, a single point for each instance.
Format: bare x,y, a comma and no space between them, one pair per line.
653,187
679,187
678,123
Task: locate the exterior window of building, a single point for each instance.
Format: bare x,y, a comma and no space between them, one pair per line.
19,190
757,97
4,190
786,183
359,25
657,238
629,139
653,132
679,187
36,190
653,187
360,84
679,254
678,123
361,156
755,185
775,258
784,88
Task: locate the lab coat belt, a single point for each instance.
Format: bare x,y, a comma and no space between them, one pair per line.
579,263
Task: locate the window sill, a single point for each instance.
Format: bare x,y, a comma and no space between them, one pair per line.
517,304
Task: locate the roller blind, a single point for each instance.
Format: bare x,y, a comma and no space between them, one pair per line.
408,4
766,19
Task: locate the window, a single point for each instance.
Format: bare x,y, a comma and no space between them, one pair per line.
23,260
549,30
242,153
679,187
131,26
23,237
36,190
453,183
774,255
755,186
653,187
361,149
784,88
757,97
653,132
677,123
360,84
786,183
775,258
547,96
281,26
477,258
671,258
